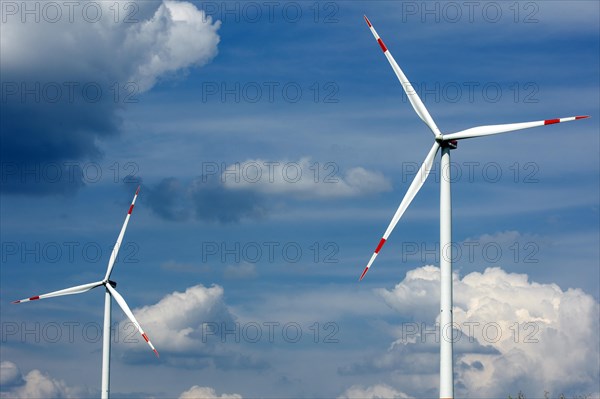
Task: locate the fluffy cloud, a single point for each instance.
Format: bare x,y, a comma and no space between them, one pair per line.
175,323
64,81
10,375
514,334
34,384
380,391
197,392
178,36
303,179
191,329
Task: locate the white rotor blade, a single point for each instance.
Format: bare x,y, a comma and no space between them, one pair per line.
413,97
509,127
115,251
413,189
67,291
129,314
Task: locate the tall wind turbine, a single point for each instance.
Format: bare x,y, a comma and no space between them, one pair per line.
446,142
110,291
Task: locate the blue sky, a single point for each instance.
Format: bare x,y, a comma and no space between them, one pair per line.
273,144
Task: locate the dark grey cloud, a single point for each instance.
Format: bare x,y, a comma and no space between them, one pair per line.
168,199
205,198
213,202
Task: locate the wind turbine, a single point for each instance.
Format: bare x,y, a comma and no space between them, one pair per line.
446,142
110,291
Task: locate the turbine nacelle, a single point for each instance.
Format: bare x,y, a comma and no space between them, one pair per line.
451,144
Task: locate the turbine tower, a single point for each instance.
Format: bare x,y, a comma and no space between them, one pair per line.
110,291
446,142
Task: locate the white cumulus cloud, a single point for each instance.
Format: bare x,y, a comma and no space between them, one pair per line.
136,41
33,385
538,336
175,323
380,391
178,36
303,179
198,392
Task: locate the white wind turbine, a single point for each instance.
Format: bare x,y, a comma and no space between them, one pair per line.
446,142
110,291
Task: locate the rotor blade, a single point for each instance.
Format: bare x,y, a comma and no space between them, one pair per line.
67,291
413,189
509,127
115,251
413,97
129,314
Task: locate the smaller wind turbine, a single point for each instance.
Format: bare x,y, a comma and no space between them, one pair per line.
109,286
445,142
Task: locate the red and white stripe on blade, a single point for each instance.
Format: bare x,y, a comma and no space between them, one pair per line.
123,305
509,127
115,251
412,95
67,291
412,191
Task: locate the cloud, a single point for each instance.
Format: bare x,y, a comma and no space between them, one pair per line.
213,202
303,179
204,199
197,392
65,82
242,190
167,199
10,375
34,384
380,391
241,271
175,322
513,333
190,329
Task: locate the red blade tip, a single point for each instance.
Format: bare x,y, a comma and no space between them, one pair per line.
367,21
138,190
582,117
363,273
19,301
156,353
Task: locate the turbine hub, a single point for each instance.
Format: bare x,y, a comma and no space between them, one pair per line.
112,283
451,144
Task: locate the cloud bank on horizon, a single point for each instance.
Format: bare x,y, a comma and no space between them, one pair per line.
509,331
